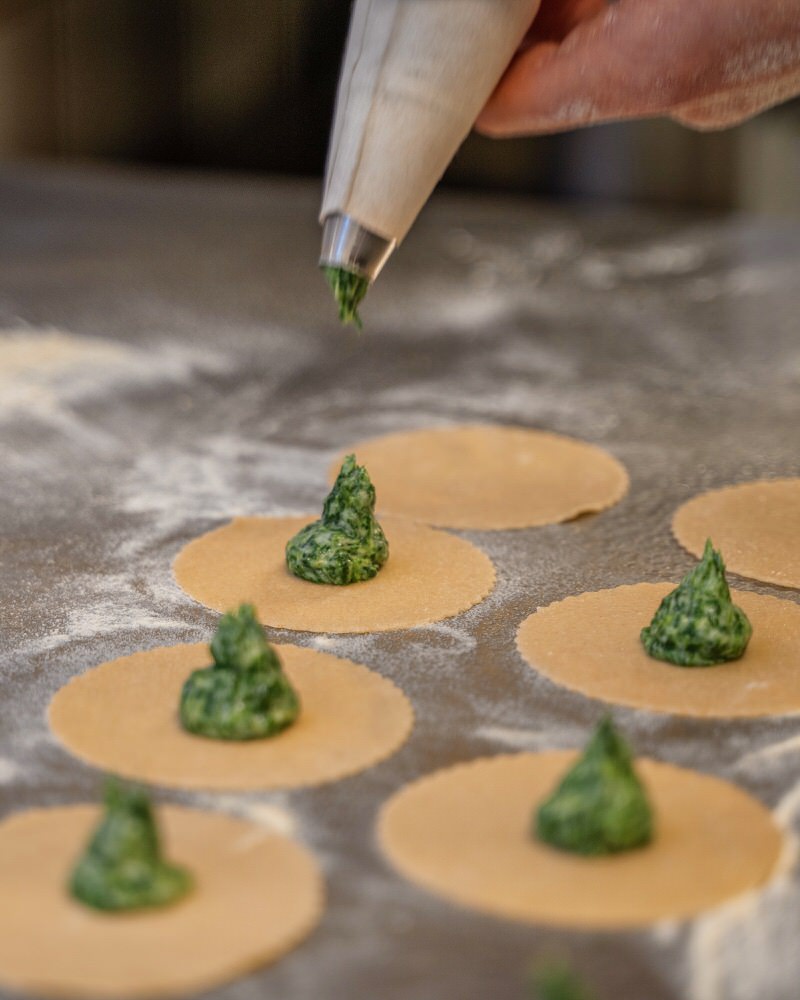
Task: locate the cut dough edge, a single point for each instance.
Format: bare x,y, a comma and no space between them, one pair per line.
431,576
690,522
154,953
759,684
334,741
368,450
417,869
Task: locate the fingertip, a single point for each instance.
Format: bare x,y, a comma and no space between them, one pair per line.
701,124
491,124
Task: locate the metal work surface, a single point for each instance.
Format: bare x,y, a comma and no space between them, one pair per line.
173,358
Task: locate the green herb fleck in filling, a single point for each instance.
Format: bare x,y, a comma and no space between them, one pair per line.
557,981
349,290
600,806
122,867
698,625
245,695
347,544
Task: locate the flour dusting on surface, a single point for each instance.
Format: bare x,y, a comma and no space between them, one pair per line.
273,816
9,770
42,372
177,404
220,477
740,950
523,739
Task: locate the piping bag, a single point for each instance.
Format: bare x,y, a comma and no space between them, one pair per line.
415,75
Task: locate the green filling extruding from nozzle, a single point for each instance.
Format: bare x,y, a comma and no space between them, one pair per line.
349,290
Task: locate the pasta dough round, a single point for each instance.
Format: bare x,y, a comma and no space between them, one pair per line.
487,477
463,833
256,896
755,525
430,575
590,643
123,717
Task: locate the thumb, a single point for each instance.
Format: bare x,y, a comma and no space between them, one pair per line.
732,107
607,68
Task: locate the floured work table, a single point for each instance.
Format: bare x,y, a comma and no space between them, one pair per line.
174,359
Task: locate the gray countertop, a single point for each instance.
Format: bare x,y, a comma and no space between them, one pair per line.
173,359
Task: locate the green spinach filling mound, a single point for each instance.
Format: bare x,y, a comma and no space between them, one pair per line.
349,290
245,695
698,625
600,806
346,545
122,867
557,981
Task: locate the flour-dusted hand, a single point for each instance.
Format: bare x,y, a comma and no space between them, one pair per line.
706,63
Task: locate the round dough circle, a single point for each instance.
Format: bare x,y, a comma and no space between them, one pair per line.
430,575
487,477
257,895
463,833
756,526
122,717
590,643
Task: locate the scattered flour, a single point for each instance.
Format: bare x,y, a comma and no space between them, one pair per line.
324,642
39,356
748,279
756,758
787,811
9,770
42,371
738,952
222,476
522,739
747,948
272,816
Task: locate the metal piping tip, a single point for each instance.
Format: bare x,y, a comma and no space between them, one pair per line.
347,244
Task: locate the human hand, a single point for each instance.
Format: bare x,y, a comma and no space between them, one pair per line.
706,63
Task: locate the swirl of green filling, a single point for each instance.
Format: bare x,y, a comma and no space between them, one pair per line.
122,867
600,806
245,695
346,544
697,624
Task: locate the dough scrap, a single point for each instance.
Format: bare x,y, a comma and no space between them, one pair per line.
755,525
590,643
123,717
430,575
488,477
462,833
257,895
